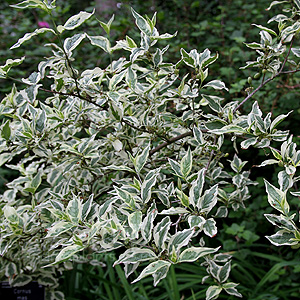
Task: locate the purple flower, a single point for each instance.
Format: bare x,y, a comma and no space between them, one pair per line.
43,24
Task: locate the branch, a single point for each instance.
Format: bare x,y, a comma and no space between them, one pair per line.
291,87
269,79
71,94
144,130
170,141
210,158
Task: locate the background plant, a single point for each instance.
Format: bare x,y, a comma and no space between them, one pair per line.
94,169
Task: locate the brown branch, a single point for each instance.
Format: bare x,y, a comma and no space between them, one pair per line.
170,141
269,79
145,130
71,94
291,87
210,157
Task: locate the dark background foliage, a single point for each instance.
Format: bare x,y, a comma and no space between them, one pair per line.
264,271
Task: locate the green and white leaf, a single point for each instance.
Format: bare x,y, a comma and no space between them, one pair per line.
186,164
194,253
75,21
153,268
281,238
197,188
28,36
67,253
213,292
210,228
72,42
277,198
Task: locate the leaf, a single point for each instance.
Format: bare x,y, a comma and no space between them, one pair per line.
11,270
36,181
8,64
160,274
96,227
198,135
141,23
186,164
296,51
180,239
148,183
41,121
157,58
229,129
119,168
131,42
276,198
135,221
66,253
47,280
281,238
223,272
28,36
277,121
196,221
212,292
59,228
6,132
249,142
134,255
194,253
125,196
31,4
164,36
217,85
87,207
231,290
174,211
160,232
141,159
4,157
184,199
268,162
208,200
153,268
101,42
265,29
72,42
21,280
210,227
74,209
75,21
275,3
281,221
187,58
255,46
147,224
222,212
285,181
176,167
106,26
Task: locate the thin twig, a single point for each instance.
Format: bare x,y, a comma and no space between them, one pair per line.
285,59
177,222
73,75
144,130
210,158
73,95
269,79
170,141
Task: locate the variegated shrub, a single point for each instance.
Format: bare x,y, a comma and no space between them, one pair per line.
129,156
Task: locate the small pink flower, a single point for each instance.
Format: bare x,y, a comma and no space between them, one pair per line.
43,24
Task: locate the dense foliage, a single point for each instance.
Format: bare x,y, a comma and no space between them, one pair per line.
140,156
